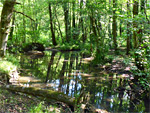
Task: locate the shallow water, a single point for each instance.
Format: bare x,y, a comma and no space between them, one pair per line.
69,72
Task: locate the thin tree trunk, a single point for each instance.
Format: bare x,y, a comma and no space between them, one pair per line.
73,20
6,16
114,26
142,5
135,13
140,30
66,19
51,23
24,27
110,24
92,20
128,26
81,23
121,23
58,24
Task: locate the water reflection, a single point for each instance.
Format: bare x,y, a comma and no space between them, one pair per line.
69,73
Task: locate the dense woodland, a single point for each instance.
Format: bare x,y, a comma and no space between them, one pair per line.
101,29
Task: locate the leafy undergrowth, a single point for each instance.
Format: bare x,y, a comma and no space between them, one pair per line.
11,102
6,66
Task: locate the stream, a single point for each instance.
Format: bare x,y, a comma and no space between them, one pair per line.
70,73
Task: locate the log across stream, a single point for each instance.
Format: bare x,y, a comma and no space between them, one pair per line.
46,94
50,95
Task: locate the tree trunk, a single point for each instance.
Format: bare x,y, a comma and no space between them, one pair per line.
6,16
114,27
135,13
109,25
12,28
92,22
142,5
66,19
81,23
47,94
121,22
51,23
142,11
24,25
73,20
128,26
58,24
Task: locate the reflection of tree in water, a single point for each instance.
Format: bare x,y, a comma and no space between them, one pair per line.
68,79
62,72
67,71
50,67
33,66
70,70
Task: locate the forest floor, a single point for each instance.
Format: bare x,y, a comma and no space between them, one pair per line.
119,67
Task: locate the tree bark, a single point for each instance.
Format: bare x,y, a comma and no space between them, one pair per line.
135,13
121,22
81,21
24,25
6,16
51,23
12,27
142,5
74,20
128,26
58,24
66,19
142,11
114,27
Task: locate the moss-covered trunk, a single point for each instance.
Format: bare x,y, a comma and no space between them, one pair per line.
6,16
47,94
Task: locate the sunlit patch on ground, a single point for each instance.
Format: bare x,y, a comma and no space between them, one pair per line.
28,79
85,74
87,60
43,85
124,76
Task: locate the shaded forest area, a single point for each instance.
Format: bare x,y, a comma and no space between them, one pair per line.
103,30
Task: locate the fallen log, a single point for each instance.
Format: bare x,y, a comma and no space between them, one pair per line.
47,94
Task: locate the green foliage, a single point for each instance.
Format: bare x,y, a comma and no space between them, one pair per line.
142,75
37,109
6,66
127,61
101,55
13,60
69,46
